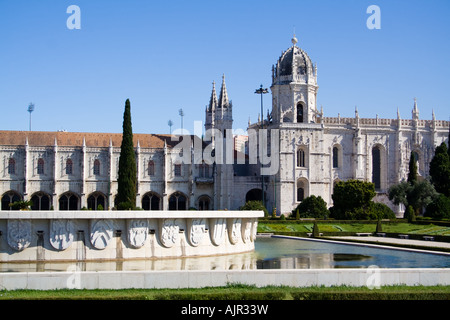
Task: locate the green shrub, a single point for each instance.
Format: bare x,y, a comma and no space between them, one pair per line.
311,207
410,214
21,205
254,205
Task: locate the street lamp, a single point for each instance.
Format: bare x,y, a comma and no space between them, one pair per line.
262,91
170,123
30,110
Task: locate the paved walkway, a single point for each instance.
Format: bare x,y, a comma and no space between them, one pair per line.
396,241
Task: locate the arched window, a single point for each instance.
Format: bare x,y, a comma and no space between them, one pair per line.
12,166
9,197
41,201
376,167
204,203
301,158
151,168
68,201
177,201
40,166
69,166
97,201
299,113
302,189
335,157
151,201
96,167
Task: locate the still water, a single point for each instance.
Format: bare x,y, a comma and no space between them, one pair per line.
280,253
270,253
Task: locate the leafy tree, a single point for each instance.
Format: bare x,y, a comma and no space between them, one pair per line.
417,195
440,170
312,207
349,196
126,191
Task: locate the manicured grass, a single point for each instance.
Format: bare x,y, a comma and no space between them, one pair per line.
239,292
391,227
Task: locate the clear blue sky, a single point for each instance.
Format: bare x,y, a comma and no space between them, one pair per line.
164,55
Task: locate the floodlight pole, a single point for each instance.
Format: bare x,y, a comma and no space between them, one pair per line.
181,113
30,110
262,91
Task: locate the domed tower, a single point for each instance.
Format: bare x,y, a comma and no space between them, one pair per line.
294,87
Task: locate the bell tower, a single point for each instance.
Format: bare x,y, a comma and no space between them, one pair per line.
294,87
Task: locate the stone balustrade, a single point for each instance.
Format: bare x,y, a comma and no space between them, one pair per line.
119,235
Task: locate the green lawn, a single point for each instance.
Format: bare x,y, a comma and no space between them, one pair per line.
239,292
400,227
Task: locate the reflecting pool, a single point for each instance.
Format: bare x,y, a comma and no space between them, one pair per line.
283,253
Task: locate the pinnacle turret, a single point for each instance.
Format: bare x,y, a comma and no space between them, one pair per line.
223,98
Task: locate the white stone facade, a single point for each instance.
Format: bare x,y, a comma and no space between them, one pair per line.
314,153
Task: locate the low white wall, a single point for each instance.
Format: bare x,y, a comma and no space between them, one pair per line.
198,279
121,235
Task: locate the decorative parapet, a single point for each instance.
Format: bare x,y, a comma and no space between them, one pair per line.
111,235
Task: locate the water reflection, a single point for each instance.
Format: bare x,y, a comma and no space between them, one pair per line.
270,253
279,253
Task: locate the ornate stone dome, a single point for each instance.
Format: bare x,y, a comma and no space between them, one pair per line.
294,65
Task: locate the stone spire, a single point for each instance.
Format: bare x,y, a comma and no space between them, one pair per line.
213,99
223,97
415,112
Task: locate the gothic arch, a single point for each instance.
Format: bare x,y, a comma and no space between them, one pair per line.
254,195
10,197
302,189
96,199
204,202
178,201
41,201
302,156
151,201
69,201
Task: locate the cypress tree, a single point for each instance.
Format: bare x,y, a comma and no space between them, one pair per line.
126,191
412,175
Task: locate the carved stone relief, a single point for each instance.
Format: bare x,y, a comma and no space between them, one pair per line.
246,230
218,227
234,230
137,232
101,233
61,233
254,230
19,234
196,231
169,232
